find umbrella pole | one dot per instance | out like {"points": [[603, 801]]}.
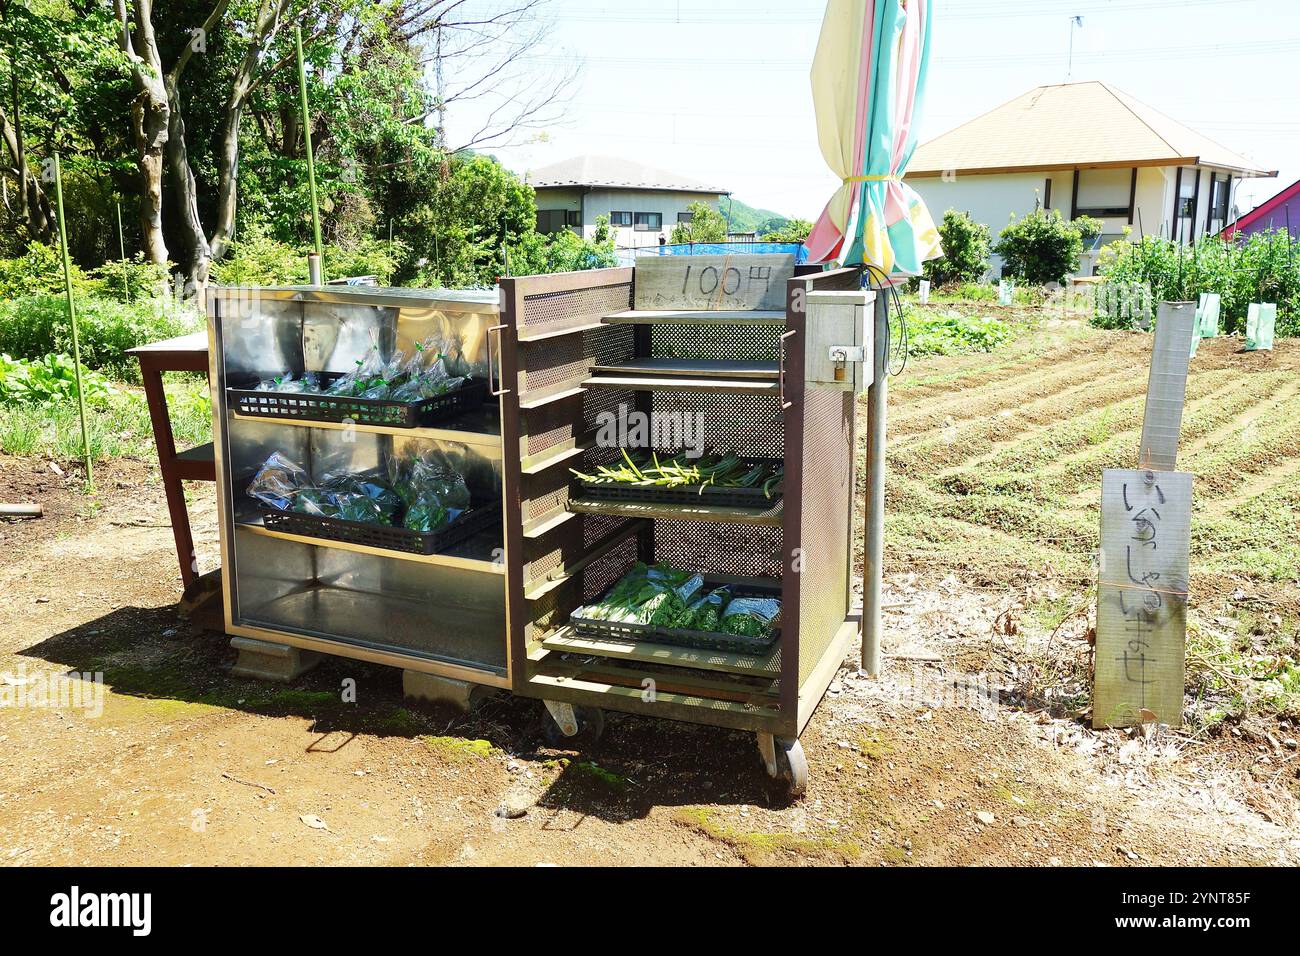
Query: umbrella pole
{"points": [[874, 550]]}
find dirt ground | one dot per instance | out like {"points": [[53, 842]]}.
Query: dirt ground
{"points": [[943, 760]]}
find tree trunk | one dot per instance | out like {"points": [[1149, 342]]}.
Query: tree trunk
{"points": [[150, 120], [264, 30], [36, 212], [198, 261]]}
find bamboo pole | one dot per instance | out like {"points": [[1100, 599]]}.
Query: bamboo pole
{"points": [[306, 128], [121, 248], [72, 318]]}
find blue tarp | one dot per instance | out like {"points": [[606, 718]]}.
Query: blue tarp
{"points": [[628, 257]]}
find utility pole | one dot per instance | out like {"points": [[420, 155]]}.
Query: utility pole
{"points": [[1069, 66]]}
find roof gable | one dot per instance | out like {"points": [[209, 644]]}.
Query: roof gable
{"points": [[614, 173], [1073, 125]]}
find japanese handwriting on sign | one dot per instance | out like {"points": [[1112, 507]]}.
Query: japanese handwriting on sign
{"points": [[1141, 612], [1139, 609]]}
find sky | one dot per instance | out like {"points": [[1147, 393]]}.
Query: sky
{"points": [[718, 90]]}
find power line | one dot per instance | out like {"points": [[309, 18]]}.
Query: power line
{"points": [[976, 61], [780, 17]]}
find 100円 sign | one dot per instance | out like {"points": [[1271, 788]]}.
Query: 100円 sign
{"points": [[1142, 597]]}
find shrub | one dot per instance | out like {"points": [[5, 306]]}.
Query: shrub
{"points": [[39, 271], [50, 380], [965, 250], [259, 260], [706, 225], [1262, 267], [794, 230], [563, 251], [130, 280], [948, 332], [1043, 247], [37, 325]]}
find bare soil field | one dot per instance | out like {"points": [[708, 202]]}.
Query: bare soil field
{"points": [[995, 471]]}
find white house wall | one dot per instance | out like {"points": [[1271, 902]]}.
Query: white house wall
{"points": [[995, 199], [601, 202]]}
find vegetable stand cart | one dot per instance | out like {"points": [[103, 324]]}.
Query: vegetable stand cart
{"points": [[754, 363], [311, 583], [722, 342]]}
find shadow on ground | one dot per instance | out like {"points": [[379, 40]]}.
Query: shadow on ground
{"points": [[639, 763]]}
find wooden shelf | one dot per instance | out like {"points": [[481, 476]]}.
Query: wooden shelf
{"points": [[692, 368], [472, 555], [566, 641], [665, 383], [524, 335], [772, 516], [651, 317], [480, 428]]}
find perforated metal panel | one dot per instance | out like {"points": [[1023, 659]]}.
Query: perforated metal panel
{"points": [[717, 547], [825, 489], [746, 424], [741, 343], [575, 306]]}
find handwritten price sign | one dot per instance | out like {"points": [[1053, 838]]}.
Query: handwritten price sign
{"points": [[713, 283], [1142, 599]]}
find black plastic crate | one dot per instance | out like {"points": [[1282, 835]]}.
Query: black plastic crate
{"points": [[305, 406], [687, 494], [475, 519], [681, 637]]}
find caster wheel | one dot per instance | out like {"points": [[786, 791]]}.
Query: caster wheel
{"points": [[588, 724], [784, 760]]}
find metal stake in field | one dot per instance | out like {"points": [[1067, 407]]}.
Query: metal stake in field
{"points": [[311, 162], [72, 318]]}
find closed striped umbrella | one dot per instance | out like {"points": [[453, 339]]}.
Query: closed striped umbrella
{"points": [[868, 78]]}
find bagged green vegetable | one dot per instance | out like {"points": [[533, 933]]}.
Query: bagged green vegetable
{"points": [[751, 617], [278, 482], [706, 611]]}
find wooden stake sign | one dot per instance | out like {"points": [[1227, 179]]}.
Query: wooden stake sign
{"points": [[1167, 387], [1142, 597]]}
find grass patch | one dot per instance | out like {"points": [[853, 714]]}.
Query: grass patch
{"points": [[461, 748], [758, 846], [118, 426]]}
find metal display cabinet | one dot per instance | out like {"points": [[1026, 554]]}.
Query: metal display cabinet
{"points": [[560, 353], [573, 350], [443, 613]]}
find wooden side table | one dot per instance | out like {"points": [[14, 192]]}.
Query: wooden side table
{"points": [[187, 353]]}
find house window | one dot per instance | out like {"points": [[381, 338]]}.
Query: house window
{"points": [[1104, 193], [620, 219], [573, 218], [685, 217], [1219, 203], [552, 220], [649, 221]]}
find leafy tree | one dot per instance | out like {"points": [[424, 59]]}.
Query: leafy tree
{"points": [[1043, 247], [792, 230], [706, 225], [965, 250]]}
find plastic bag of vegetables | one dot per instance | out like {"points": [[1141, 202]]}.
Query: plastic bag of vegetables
{"points": [[751, 617], [368, 374], [360, 496], [309, 384], [278, 482], [706, 610], [429, 373]]}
